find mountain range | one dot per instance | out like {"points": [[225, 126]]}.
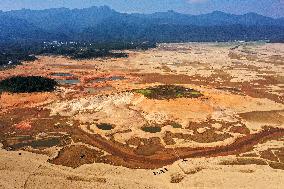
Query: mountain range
{"points": [[106, 24]]}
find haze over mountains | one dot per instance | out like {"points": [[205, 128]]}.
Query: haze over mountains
{"points": [[105, 24]]}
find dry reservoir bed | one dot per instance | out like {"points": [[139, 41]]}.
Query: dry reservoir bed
{"points": [[181, 115]]}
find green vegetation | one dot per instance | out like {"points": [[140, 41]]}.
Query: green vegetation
{"points": [[28, 84], [11, 59], [145, 92], [93, 53], [151, 129], [176, 125], [168, 92], [105, 126], [92, 50], [244, 161], [13, 54]]}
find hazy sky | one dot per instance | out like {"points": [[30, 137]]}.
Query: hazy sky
{"points": [[274, 8]]}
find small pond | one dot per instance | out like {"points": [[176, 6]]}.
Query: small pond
{"points": [[103, 79], [68, 81], [42, 143], [93, 90], [62, 74]]}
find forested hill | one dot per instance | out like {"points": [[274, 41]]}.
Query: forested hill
{"points": [[105, 24]]}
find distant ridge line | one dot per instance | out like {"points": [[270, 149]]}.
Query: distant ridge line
{"points": [[104, 24]]}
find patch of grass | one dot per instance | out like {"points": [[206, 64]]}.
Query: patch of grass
{"points": [[276, 165], [145, 92], [195, 93], [151, 129], [177, 178], [20, 84], [94, 53], [168, 92], [176, 125], [105, 126], [244, 161]]}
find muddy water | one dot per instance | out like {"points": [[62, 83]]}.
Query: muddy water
{"points": [[103, 79], [27, 141], [68, 81], [93, 90], [62, 74]]}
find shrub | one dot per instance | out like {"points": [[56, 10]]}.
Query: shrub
{"points": [[168, 92], [20, 84]]}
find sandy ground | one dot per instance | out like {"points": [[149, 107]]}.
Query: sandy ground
{"points": [[231, 136], [32, 171]]}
